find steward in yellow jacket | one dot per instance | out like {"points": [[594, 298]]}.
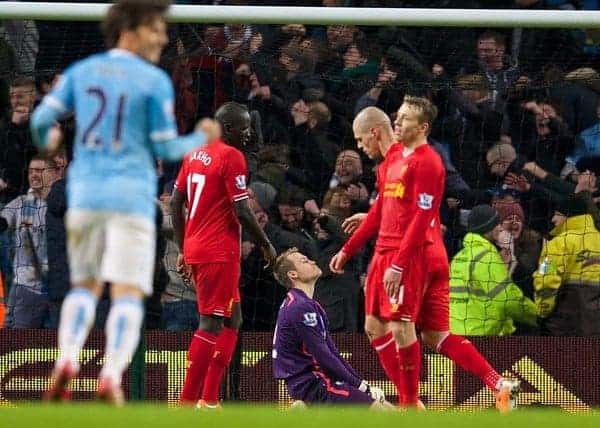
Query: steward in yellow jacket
{"points": [[567, 282], [484, 301]]}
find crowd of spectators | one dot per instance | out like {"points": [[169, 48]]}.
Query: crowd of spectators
{"points": [[518, 130]]}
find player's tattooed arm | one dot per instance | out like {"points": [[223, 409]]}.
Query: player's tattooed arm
{"points": [[249, 222]]}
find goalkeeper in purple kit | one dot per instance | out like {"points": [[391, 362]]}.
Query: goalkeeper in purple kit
{"points": [[304, 355]]}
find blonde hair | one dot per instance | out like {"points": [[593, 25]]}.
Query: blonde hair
{"points": [[426, 109], [283, 265]]}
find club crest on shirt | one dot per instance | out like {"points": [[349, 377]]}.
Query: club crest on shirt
{"points": [[240, 182], [425, 201], [310, 319]]}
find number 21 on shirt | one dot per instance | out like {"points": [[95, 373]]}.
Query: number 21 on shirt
{"points": [[103, 109]]}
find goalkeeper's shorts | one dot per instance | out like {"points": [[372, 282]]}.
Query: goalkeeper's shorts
{"points": [[322, 390]]}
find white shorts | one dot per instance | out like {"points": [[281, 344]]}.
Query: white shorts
{"points": [[111, 247]]}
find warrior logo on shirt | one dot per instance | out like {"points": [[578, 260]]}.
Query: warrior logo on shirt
{"points": [[240, 182], [310, 319]]}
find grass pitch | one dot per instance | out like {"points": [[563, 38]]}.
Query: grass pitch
{"points": [[150, 416]]}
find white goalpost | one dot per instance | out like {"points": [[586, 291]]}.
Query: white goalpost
{"points": [[320, 15]]}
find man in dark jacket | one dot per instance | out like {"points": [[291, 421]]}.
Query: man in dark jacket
{"points": [[58, 266], [15, 140]]}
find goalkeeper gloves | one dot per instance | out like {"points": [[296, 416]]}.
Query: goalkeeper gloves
{"points": [[375, 393]]}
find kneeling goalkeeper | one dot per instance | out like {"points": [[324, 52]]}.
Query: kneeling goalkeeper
{"points": [[303, 353]]}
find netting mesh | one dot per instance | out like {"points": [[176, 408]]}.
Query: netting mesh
{"points": [[514, 104]]}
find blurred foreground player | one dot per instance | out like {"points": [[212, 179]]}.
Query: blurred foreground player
{"points": [[407, 282], [304, 355], [123, 106], [212, 184]]}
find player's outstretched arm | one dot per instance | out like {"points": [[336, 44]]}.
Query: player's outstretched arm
{"points": [[351, 223], [366, 228], [45, 132], [166, 143], [177, 214], [248, 220], [338, 261], [314, 338], [334, 350], [170, 147]]}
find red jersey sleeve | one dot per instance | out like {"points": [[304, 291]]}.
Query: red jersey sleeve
{"points": [[181, 181], [367, 230], [427, 184], [235, 174]]}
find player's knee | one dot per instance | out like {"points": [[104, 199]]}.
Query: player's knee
{"points": [[118, 291], [404, 333], [433, 339], [212, 325], [369, 331], [374, 328], [94, 287], [428, 340]]}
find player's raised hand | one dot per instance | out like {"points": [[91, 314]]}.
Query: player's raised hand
{"points": [[337, 263], [210, 127], [269, 254], [392, 280], [350, 225]]}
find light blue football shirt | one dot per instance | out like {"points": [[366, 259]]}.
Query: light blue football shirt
{"points": [[124, 109]]}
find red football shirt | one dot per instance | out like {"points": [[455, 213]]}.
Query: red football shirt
{"points": [[212, 179], [406, 212]]}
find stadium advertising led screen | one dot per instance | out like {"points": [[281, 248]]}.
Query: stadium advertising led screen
{"points": [[550, 375]]}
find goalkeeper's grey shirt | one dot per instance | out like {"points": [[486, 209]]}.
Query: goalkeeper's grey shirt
{"points": [[26, 218]]}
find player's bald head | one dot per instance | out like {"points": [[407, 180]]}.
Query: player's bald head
{"points": [[370, 117], [231, 113], [235, 122]]}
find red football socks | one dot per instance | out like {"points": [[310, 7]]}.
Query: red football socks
{"points": [[409, 370], [223, 351], [465, 355], [199, 356], [385, 346]]}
